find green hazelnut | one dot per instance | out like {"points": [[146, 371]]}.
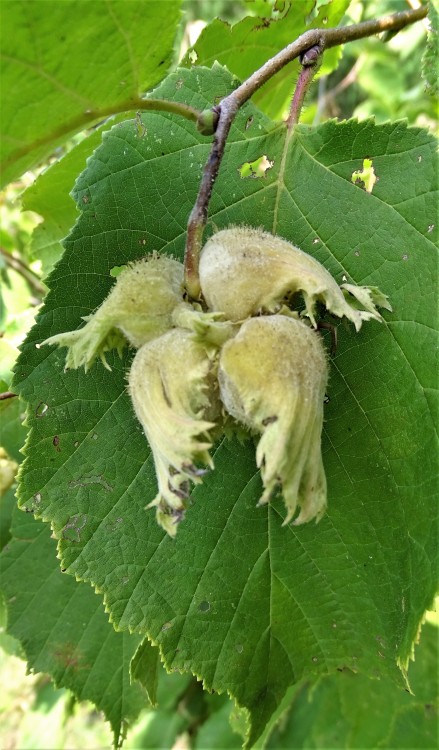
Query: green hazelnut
{"points": [[272, 378], [172, 383], [245, 272], [138, 308]]}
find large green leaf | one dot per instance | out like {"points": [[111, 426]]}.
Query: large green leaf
{"points": [[246, 604], [248, 44], [63, 628], [430, 59], [50, 197], [66, 65], [349, 711]]}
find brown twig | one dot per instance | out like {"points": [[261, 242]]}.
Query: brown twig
{"points": [[229, 106], [7, 394], [198, 215]]}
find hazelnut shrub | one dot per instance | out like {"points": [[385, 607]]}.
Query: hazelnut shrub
{"points": [[245, 359]]}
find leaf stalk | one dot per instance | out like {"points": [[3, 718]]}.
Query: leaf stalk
{"points": [[310, 60]]}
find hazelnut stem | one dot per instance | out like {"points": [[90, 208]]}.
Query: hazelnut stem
{"points": [[229, 106], [310, 61], [198, 215]]}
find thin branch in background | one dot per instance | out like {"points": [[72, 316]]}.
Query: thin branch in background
{"points": [[348, 80], [321, 100], [28, 275], [327, 99], [229, 106]]}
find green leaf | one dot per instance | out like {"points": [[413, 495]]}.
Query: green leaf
{"points": [[7, 505], [50, 197], [216, 732], [145, 667], [8, 644], [430, 59], [348, 710], [158, 731], [160, 728], [246, 604], [248, 44], [68, 65], [13, 432], [63, 628]]}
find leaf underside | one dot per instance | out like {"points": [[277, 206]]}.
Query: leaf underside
{"points": [[48, 51], [245, 604]]}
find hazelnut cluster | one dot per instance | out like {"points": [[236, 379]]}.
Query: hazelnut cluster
{"points": [[246, 358]]}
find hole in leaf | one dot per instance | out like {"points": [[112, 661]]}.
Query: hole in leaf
{"points": [[257, 168], [365, 178], [116, 270], [193, 57], [141, 129]]}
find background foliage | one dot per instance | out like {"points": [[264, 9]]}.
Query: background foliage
{"points": [[316, 612]]}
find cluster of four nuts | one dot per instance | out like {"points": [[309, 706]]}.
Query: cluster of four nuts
{"points": [[246, 359]]}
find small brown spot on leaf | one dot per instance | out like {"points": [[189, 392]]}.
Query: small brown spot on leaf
{"points": [[70, 656]]}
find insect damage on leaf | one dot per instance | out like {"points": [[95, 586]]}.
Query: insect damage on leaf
{"points": [[246, 358], [366, 177]]}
